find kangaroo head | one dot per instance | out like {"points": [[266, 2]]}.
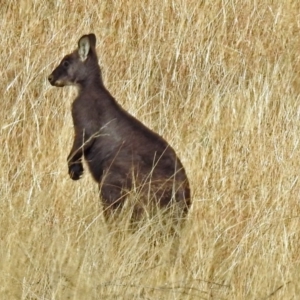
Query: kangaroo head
{"points": [[76, 68]]}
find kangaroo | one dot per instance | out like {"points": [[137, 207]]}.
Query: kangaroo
{"points": [[122, 153]]}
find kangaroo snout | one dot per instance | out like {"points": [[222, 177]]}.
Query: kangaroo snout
{"points": [[55, 81], [51, 79]]}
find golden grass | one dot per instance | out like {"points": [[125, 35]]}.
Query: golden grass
{"points": [[220, 81]]}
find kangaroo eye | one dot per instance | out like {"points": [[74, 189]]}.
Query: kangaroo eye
{"points": [[66, 64]]}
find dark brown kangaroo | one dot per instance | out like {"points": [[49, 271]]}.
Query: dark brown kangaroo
{"points": [[121, 152]]}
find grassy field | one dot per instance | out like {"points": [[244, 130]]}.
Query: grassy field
{"points": [[220, 81]]}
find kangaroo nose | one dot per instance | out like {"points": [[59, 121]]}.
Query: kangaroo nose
{"points": [[50, 78]]}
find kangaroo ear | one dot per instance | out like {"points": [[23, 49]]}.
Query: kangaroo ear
{"points": [[85, 43], [84, 47], [92, 39]]}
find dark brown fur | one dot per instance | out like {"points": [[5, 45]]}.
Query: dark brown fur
{"points": [[120, 151]]}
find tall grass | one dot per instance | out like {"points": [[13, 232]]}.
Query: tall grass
{"points": [[220, 81]]}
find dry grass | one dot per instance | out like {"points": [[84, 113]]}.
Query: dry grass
{"points": [[220, 81]]}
